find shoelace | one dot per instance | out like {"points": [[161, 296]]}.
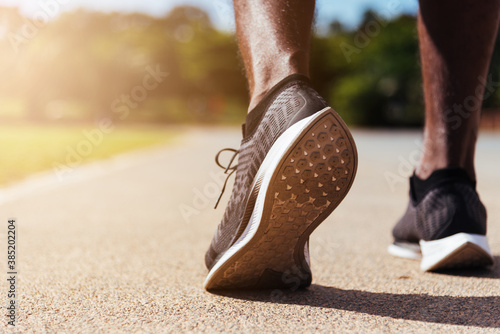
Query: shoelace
{"points": [[229, 167]]}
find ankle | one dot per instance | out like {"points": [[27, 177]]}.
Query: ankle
{"points": [[256, 97], [440, 153], [424, 170], [265, 79], [264, 87]]}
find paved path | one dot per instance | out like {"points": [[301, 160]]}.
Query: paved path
{"points": [[119, 248]]}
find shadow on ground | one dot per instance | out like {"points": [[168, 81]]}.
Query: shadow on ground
{"points": [[465, 311]]}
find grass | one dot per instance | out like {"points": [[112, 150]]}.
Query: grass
{"points": [[25, 150]]}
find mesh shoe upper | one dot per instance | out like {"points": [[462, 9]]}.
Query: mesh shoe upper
{"points": [[449, 205], [288, 102]]}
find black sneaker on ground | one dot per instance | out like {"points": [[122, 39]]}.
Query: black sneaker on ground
{"points": [[445, 223], [296, 163]]}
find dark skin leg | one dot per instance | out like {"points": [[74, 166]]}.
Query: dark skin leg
{"points": [[456, 43], [274, 40]]}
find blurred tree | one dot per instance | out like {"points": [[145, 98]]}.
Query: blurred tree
{"points": [[78, 65], [375, 71]]}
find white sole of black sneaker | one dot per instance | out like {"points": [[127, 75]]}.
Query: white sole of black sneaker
{"points": [[304, 176], [461, 250], [404, 252]]}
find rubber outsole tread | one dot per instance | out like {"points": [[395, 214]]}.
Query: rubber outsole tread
{"points": [[312, 178]]}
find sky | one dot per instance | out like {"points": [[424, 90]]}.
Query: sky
{"points": [[348, 12]]}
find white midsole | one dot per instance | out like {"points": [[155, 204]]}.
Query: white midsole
{"points": [[264, 174], [436, 250], [404, 252]]}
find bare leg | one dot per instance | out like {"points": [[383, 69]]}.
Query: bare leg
{"points": [[456, 43], [274, 40], [292, 129]]}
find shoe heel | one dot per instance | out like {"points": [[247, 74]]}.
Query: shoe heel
{"points": [[304, 177], [461, 250]]}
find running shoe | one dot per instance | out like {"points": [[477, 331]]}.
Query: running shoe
{"points": [[444, 224], [296, 163]]}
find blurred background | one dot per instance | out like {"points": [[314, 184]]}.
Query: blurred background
{"points": [[145, 65]]}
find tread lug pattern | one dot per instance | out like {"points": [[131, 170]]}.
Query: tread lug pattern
{"points": [[311, 181]]}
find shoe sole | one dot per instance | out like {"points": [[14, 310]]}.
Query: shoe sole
{"points": [[461, 250], [412, 251], [305, 175]]}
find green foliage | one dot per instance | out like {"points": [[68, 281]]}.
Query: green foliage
{"points": [[76, 67], [376, 77]]}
